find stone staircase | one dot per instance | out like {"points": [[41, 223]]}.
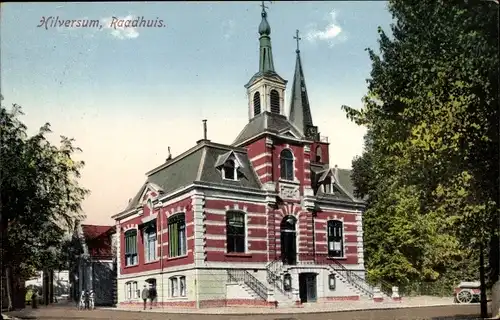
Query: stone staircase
{"points": [[273, 290]]}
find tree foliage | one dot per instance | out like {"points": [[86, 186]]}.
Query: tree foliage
{"points": [[40, 196], [430, 164]]}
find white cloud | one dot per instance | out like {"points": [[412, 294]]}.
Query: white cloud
{"points": [[333, 31], [121, 27], [228, 29]]}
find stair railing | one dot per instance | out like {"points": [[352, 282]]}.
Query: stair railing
{"points": [[241, 275]]}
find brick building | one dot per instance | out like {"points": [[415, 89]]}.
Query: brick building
{"points": [[263, 221]]}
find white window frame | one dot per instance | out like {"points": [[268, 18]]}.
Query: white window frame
{"points": [[177, 287], [128, 290], [146, 236], [342, 244], [181, 240], [330, 185], [135, 290], [235, 173], [293, 165], [245, 231], [131, 259]]}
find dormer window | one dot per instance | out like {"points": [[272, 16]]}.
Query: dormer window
{"points": [[229, 170], [256, 103], [328, 186], [275, 102]]}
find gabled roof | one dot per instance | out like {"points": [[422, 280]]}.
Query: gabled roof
{"points": [[341, 180], [267, 122], [199, 164]]}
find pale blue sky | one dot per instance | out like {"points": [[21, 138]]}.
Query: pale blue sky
{"points": [[125, 95]]}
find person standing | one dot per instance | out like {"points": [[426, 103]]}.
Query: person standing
{"points": [[145, 296], [152, 295]]}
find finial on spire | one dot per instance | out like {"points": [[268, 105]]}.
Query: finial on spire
{"points": [[263, 7], [296, 37], [264, 28]]}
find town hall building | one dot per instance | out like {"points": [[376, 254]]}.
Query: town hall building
{"points": [[264, 221]]}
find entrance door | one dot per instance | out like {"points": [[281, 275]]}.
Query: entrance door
{"points": [[307, 287], [288, 240]]}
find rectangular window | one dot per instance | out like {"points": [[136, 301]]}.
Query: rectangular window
{"points": [[150, 243], [128, 290], [177, 235], [131, 248], [173, 287], [182, 285], [135, 291], [335, 239], [235, 232]]}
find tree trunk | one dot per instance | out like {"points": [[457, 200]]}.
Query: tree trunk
{"points": [[482, 279], [51, 286], [8, 280]]}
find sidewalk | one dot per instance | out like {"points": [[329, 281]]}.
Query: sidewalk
{"points": [[362, 305]]}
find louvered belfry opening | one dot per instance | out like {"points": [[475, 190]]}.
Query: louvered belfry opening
{"points": [[256, 103], [275, 101]]}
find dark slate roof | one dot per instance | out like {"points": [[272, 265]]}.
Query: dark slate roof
{"points": [[198, 165], [267, 122], [300, 112]]}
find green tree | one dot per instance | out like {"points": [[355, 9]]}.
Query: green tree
{"points": [[430, 165], [39, 197]]}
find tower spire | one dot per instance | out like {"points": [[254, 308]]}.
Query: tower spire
{"points": [[266, 63], [300, 112], [296, 37]]}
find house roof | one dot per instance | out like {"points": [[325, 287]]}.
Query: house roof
{"points": [[98, 240], [199, 164], [267, 122]]}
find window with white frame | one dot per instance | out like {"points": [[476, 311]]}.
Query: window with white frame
{"points": [[135, 290], [235, 232], [177, 242], [335, 238], [174, 287], [275, 101], [286, 165], [131, 290], [177, 286], [328, 186], [131, 248], [230, 170], [150, 243]]}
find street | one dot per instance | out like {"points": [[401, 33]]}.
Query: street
{"points": [[441, 312]]}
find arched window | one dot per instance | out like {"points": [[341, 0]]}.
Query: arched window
{"points": [[256, 103], [319, 154], [286, 161], [131, 248], [335, 234], [177, 235], [275, 101], [235, 232], [229, 170]]}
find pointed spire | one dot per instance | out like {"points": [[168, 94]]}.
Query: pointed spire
{"points": [[300, 112], [266, 63]]}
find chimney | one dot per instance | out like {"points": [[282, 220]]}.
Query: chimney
{"points": [[169, 156], [204, 132], [336, 173]]}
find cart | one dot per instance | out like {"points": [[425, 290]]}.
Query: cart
{"points": [[467, 292]]}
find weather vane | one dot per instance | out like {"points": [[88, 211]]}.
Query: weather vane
{"points": [[296, 37], [264, 6]]}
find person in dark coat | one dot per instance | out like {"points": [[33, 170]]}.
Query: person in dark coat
{"points": [[152, 295], [145, 296]]}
